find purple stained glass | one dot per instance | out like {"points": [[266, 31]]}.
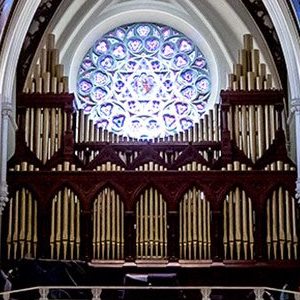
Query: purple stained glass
{"points": [[144, 81]]}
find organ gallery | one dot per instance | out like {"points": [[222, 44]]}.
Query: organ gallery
{"points": [[139, 169]]}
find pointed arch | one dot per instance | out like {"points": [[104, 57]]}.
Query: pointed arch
{"points": [[22, 225], [238, 225], [151, 225], [281, 228], [65, 225], [194, 225], [108, 225]]}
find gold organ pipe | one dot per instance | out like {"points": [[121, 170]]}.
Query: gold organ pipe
{"points": [[52, 131], [260, 130], [237, 124], [43, 61], [272, 121], [142, 224], [103, 213], [225, 235], [295, 237], [58, 225], [60, 127], [27, 126], [108, 223], [72, 225], [161, 224], [281, 222], [35, 237], [31, 129], [245, 224], [200, 222], [252, 132], [94, 227], [99, 224], [122, 228], [65, 221], [52, 235], [267, 126], [251, 237], [165, 227], [288, 224], [244, 129], [16, 225], [23, 222], [180, 230], [268, 229], [230, 115], [190, 195], [238, 222], [37, 142], [113, 227], [45, 140], [231, 224], [146, 218], [138, 225], [205, 233], [208, 228], [118, 238], [194, 211], [77, 202], [151, 221], [9, 235]]}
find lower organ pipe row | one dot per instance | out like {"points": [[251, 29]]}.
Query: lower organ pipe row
{"points": [[194, 226]]}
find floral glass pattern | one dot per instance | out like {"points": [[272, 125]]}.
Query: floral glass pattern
{"points": [[143, 81]]}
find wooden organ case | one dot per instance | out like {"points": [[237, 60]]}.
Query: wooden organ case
{"points": [[215, 200]]}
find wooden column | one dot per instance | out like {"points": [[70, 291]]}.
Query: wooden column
{"points": [[216, 235], [173, 235], [86, 234], [130, 235]]}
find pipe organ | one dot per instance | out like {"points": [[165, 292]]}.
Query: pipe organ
{"points": [[221, 190]]}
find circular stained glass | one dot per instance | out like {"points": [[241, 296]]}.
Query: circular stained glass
{"points": [[144, 81]]}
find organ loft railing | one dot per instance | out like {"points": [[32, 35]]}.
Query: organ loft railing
{"points": [[221, 190]]}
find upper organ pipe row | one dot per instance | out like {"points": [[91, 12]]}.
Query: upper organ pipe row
{"points": [[151, 226]]}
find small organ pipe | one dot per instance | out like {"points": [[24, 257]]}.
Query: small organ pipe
{"points": [[52, 236], [281, 222], [288, 224], [9, 235], [16, 225], [268, 229]]}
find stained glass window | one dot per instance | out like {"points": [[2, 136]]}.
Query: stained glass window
{"points": [[144, 81]]}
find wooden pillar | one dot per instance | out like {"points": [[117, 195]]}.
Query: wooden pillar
{"points": [[259, 234], [130, 235], [86, 234], [173, 235], [216, 235]]}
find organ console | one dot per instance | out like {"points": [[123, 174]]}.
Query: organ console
{"points": [[222, 190]]}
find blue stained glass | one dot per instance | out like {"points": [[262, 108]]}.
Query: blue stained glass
{"points": [[144, 81]]}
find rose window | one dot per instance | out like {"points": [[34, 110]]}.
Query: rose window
{"points": [[143, 81]]}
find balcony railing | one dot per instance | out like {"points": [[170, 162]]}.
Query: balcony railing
{"points": [[151, 292]]}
